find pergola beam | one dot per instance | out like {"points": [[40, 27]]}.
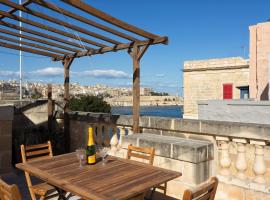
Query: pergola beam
{"points": [[12, 10], [29, 50], [83, 19], [108, 18], [44, 35], [46, 27], [136, 47], [59, 22], [34, 39], [32, 45], [159, 40]]}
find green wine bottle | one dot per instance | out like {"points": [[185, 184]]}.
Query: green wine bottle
{"points": [[91, 149]]}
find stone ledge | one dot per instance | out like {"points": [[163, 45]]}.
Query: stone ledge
{"points": [[188, 150], [247, 184]]}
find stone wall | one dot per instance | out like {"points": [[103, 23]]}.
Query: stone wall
{"points": [[259, 60], [6, 118], [204, 79]]}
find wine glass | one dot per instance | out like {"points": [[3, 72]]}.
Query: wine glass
{"points": [[103, 151], [80, 152]]}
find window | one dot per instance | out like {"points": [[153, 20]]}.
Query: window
{"points": [[244, 92], [227, 91]]}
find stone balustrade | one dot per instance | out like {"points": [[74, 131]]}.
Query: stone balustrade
{"points": [[240, 151]]}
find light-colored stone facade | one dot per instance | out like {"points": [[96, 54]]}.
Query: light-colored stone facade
{"points": [[204, 79], [259, 60]]}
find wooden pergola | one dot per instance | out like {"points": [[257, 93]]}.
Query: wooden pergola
{"points": [[59, 48]]}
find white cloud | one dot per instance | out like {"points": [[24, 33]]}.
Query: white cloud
{"points": [[59, 72], [10, 74], [103, 74], [49, 71]]}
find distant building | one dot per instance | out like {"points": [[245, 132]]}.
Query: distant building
{"points": [[147, 91], [213, 79], [259, 61], [230, 78]]}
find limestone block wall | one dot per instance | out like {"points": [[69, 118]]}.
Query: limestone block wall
{"points": [[259, 60], [6, 117], [204, 79]]}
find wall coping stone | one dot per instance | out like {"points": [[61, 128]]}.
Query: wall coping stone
{"points": [[188, 150], [252, 131]]}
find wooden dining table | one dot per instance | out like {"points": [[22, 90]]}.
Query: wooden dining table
{"points": [[116, 179]]}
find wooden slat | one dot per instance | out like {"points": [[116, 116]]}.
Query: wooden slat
{"points": [[205, 191], [36, 146], [83, 19], [161, 40], [32, 38], [12, 10], [32, 45], [37, 152], [44, 35], [62, 23], [46, 27], [112, 20], [119, 179], [145, 157], [29, 50]]}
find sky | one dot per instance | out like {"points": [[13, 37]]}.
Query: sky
{"points": [[197, 29]]}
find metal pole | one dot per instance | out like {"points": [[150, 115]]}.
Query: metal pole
{"points": [[20, 14]]}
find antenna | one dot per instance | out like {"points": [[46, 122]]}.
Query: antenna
{"points": [[20, 14]]}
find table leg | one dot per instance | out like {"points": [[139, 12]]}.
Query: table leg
{"points": [[62, 194]]}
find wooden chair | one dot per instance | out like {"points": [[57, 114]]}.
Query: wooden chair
{"points": [[205, 191], [9, 192], [34, 152], [148, 154]]}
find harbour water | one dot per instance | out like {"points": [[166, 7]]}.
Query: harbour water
{"points": [[161, 111]]}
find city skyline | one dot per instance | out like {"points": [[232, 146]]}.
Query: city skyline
{"points": [[189, 39]]}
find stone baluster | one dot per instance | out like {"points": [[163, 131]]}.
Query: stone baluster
{"points": [[259, 166], [122, 130], [106, 135], [130, 131], [114, 139], [99, 134], [224, 157], [241, 161]]}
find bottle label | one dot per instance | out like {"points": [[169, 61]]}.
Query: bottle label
{"points": [[91, 159]]}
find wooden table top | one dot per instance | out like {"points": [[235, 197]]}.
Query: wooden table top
{"points": [[116, 180]]}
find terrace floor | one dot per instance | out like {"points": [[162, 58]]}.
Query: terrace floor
{"points": [[17, 177]]}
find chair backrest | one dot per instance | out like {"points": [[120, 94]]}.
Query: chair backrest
{"points": [[205, 191], [36, 151], [146, 153], [9, 192]]}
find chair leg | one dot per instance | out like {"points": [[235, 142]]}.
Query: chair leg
{"points": [[32, 194]]}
